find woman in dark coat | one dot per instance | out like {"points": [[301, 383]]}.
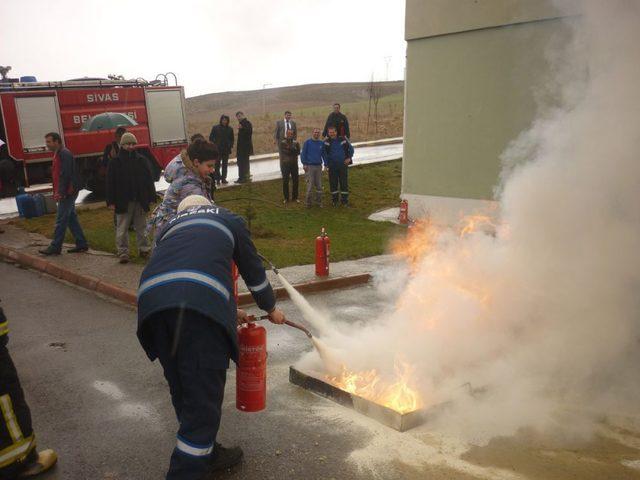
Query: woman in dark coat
{"points": [[222, 136]]}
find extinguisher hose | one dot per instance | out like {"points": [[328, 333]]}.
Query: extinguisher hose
{"points": [[266, 260], [253, 318]]}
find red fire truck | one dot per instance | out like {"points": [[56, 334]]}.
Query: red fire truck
{"points": [[32, 109]]}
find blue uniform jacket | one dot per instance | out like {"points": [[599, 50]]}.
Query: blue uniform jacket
{"points": [[312, 152], [336, 151], [191, 268]]}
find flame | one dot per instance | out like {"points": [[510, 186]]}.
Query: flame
{"points": [[398, 396], [472, 223], [420, 240]]}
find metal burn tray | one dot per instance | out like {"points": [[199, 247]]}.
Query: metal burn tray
{"points": [[386, 416]]}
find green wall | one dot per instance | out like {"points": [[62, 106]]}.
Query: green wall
{"points": [[467, 95]]}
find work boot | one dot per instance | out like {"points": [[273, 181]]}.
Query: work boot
{"points": [[39, 463], [49, 251], [223, 458], [78, 249], [124, 258]]}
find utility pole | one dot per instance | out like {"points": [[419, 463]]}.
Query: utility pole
{"points": [[264, 98], [387, 61]]}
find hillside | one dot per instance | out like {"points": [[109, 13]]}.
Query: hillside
{"points": [[310, 105]]}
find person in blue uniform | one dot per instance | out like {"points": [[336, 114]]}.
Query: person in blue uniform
{"points": [[187, 318]]}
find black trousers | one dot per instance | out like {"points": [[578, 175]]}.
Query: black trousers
{"points": [[194, 352], [289, 170], [244, 172], [339, 184], [17, 441], [223, 162]]}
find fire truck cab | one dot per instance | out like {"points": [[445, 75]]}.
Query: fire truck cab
{"points": [[29, 110]]}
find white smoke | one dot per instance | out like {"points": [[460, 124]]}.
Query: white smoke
{"points": [[544, 317]]}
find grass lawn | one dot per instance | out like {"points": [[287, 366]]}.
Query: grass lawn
{"points": [[285, 235]]}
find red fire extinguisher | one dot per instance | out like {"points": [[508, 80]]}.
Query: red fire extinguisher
{"points": [[234, 277], [403, 217], [322, 254], [251, 371]]}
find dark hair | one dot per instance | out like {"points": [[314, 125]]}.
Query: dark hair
{"points": [[195, 137], [239, 112], [332, 128], [202, 151], [54, 136], [121, 130], [288, 112], [337, 104]]}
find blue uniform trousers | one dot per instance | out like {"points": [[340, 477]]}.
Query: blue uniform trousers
{"points": [[194, 352], [339, 183]]}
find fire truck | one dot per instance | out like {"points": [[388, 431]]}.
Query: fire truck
{"points": [[30, 110]]}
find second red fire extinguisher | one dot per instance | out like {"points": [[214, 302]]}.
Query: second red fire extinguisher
{"points": [[322, 254], [403, 216], [251, 372]]}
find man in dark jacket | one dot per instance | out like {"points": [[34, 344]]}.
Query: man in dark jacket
{"points": [[244, 148], [18, 455], [187, 318], [338, 157], [130, 191], [339, 121], [222, 136], [289, 151], [113, 148], [66, 185]]}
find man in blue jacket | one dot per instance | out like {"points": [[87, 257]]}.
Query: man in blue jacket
{"points": [[338, 156], [312, 158], [187, 318]]}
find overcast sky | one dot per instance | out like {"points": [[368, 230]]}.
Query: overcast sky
{"points": [[212, 45]]}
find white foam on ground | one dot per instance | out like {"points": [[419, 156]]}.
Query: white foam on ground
{"points": [[109, 389]]}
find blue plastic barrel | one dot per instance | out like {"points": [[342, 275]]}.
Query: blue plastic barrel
{"points": [[41, 208], [26, 204], [28, 79], [20, 200]]}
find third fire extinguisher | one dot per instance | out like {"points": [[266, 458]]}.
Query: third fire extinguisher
{"points": [[403, 217], [322, 254]]}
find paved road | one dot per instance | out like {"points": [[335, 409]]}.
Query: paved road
{"points": [[105, 408], [261, 170]]}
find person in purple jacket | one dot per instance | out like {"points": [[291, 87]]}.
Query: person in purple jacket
{"points": [[199, 162]]}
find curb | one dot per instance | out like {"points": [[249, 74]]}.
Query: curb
{"points": [[85, 281], [130, 297]]}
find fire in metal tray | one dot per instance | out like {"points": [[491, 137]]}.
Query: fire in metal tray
{"points": [[386, 415]]}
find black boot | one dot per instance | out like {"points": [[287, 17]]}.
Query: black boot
{"points": [[223, 458], [49, 251]]}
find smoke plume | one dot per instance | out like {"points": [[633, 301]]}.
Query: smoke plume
{"points": [[538, 323]]}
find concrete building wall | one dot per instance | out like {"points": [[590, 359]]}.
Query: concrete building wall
{"points": [[473, 70]]}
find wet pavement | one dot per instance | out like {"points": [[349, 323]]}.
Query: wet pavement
{"points": [[261, 170], [99, 402]]}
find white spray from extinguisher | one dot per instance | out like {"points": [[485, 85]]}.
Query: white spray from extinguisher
{"points": [[320, 323]]}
